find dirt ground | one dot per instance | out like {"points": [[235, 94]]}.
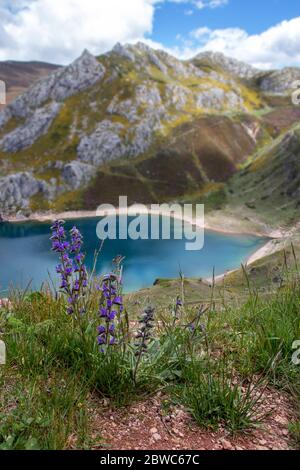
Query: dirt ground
{"points": [[149, 426]]}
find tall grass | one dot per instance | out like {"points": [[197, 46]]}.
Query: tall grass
{"points": [[214, 398], [215, 360]]}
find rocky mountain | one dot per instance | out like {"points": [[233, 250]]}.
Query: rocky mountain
{"points": [[19, 76], [227, 64], [136, 121]]}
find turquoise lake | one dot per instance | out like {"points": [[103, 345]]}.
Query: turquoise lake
{"points": [[25, 255]]}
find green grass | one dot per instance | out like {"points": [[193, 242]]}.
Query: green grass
{"points": [[218, 370], [213, 398]]}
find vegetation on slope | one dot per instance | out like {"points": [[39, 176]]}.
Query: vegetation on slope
{"points": [[270, 183]]}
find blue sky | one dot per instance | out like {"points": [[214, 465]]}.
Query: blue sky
{"points": [[254, 16], [264, 33]]}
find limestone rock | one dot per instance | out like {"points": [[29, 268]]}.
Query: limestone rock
{"points": [[34, 127], [5, 116], [217, 99], [280, 81], [77, 174], [177, 96], [124, 108], [148, 94], [59, 85], [123, 51], [17, 189], [104, 144], [233, 66]]}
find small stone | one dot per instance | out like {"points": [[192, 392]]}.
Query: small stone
{"points": [[281, 420], [156, 437], [178, 433], [227, 445], [153, 431], [262, 442]]}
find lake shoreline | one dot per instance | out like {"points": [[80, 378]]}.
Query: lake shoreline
{"points": [[231, 225], [219, 223]]}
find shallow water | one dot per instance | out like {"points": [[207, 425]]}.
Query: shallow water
{"points": [[25, 255]]}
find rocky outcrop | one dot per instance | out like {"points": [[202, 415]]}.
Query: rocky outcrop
{"points": [[112, 140], [34, 127], [77, 174], [141, 135], [105, 143], [148, 95], [124, 52], [280, 81], [144, 57], [16, 191], [124, 108], [59, 85], [5, 116], [177, 96], [232, 66], [219, 99], [32, 105]]}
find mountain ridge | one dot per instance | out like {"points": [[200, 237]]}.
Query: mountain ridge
{"points": [[125, 106]]}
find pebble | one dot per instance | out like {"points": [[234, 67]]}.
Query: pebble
{"points": [[178, 433], [153, 431], [227, 445], [281, 420], [262, 442]]}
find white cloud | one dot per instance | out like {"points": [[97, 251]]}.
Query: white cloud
{"points": [[276, 47], [58, 30], [200, 4]]}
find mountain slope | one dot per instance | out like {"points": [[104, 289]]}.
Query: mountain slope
{"points": [[135, 120], [19, 76], [270, 184]]}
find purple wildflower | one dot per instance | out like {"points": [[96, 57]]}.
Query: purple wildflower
{"points": [[111, 306], [144, 333], [143, 337], [73, 273], [118, 299]]}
